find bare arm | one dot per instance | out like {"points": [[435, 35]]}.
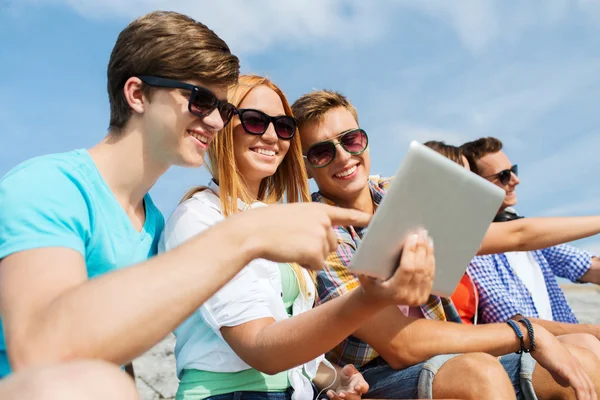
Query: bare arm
{"points": [[63, 315], [404, 341], [561, 328], [593, 274], [260, 343], [528, 234], [52, 313]]}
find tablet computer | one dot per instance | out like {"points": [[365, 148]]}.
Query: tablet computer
{"points": [[430, 191]]}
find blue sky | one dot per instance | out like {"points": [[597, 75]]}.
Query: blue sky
{"points": [[525, 72]]}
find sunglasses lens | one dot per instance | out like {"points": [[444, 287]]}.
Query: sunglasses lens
{"points": [[354, 141], [515, 170], [202, 103], [254, 122], [504, 177], [285, 127], [321, 154]]}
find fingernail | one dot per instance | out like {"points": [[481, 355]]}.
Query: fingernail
{"points": [[430, 242], [413, 239]]}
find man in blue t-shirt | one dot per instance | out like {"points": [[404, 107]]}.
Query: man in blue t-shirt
{"points": [[71, 222]]}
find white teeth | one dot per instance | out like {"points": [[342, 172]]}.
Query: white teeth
{"points": [[201, 138], [264, 151], [346, 172]]}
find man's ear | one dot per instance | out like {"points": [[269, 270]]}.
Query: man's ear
{"points": [[134, 96], [308, 169]]}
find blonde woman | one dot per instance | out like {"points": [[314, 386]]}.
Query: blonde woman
{"points": [[259, 337]]}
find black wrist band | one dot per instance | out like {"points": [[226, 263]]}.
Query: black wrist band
{"points": [[517, 330], [529, 327]]}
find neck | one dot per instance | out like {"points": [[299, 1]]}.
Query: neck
{"points": [[363, 201], [253, 188], [127, 166]]}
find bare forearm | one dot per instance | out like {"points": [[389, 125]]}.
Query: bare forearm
{"points": [[423, 339], [537, 233], [593, 274], [561, 328], [310, 334], [118, 316]]}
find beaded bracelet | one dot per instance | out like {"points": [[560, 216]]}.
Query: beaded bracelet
{"points": [[529, 327], [517, 330]]}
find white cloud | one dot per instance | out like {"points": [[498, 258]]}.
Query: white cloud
{"points": [[406, 132], [585, 207], [515, 95], [254, 26]]}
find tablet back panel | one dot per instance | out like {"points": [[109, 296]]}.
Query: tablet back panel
{"points": [[429, 190]]}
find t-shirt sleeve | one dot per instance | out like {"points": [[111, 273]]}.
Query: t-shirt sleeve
{"points": [[42, 205], [242, 299]]}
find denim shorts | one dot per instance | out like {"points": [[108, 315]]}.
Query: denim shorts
{"points": [[417, 381], [287, 395]]}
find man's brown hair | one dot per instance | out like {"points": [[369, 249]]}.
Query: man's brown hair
{"points": [[447, 150], [168, 45], [477, 149], [313, 106]]}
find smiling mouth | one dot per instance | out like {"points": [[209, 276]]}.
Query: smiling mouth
{"points": [[346, 172], [201, 138], [265, 152]]}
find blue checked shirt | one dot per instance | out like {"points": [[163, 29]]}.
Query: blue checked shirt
{"points": [[502, 294]]}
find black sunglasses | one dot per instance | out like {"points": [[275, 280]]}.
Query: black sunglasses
{"points": [[256, 122], [202, 101], [505, 175], [354, 141]]}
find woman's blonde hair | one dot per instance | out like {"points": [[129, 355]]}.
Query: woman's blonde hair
{"points": [[288, 184]]}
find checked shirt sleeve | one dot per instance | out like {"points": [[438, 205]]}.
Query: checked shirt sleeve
{"points": [[567, 261], [335, 279], [496, 304]]}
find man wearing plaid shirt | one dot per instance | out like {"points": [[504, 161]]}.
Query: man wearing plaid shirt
{"points": [[524, 283], [416, 352]]}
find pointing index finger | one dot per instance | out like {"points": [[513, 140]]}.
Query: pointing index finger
{"points": [[347, 217]]}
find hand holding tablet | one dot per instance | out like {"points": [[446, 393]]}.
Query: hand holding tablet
{"points": [[412, 281]]}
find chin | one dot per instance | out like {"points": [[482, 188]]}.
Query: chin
{"points": [[192, 161]]}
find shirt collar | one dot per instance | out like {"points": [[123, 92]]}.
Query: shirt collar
{"points": [[375, 186], [242, 206]]}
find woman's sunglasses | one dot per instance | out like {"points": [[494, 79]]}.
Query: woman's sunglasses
{"points": [[321, 154], [505, 175], [256, 122], [202, 101]]}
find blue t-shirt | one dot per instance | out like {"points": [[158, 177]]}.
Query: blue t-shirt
{"points": [[61, 200]]}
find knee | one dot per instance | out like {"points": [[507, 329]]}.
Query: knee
{"points": [[583, 340], [482, 369], [474, 376], [90, 379], [588, 359]]}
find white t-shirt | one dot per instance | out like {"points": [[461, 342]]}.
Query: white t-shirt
{"points": [[255, 292], [529, 271]]}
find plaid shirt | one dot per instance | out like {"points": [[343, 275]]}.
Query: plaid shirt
{"points": [[502, 294], [336, 280]]}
